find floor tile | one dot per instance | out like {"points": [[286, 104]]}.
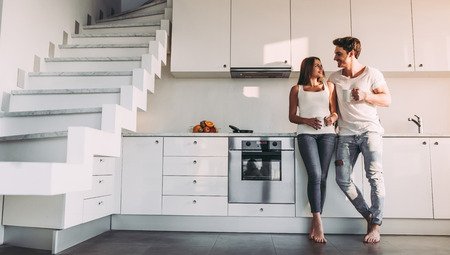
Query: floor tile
{"points": [[198, 243]]}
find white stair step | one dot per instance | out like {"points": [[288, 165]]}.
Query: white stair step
{"points": [[148, 8], [39, 100], [40, 147], [117, 38], [103, 50], [149, 27], [151, 16], [18, 123], [90, 64], [43, 178], [78, 80]]}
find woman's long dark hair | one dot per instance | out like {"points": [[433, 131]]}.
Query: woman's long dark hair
{"points": [[306, 70]]}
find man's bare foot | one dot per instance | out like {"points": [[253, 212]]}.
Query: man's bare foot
{"points": [[317, 230], [373, 234]]}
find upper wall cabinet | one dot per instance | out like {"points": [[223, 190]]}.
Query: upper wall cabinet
{"points": [[403, 35], [431, 19], [315, 24], [201, 38], [385, 30], [260, 33]]}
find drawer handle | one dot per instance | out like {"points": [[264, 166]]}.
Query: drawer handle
{"points": [[195, 161], [194, 201], [261, 209], [101, 160], [424, 143], [436, 143], [409, 65], [195, 181], [195, 142], [101, 181], [156, 141], [100, 203]]}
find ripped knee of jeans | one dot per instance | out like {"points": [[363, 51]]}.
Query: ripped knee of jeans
{"points": [[339, 162]]}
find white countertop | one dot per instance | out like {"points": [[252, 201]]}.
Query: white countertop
{"points": [[223, 134]]}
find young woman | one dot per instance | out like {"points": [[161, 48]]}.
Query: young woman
{"points": [[315, 101]]}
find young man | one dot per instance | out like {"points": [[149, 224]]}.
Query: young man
{"points": [[360, 130]]}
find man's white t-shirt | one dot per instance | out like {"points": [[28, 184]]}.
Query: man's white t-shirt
{"points": [[356, 118]]}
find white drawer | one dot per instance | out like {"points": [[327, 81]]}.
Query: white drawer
{"points": [[195, 185], [196, 146], [195, 205], [104, 165], [217, 166], [264, 210], [102, 185], [96, 208]]}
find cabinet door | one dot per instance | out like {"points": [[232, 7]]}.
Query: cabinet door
{"points": [[142, 175], [431, 21], [385, 30], [407, 177], [195, 146], [213, 166], [315, 24], [195, 185], [440, 169], [260, 33], [201, 37]]}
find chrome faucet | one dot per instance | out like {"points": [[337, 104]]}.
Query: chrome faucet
{"points": [[418, 122]]}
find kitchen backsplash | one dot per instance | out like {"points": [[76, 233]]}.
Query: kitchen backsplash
{"points": [[262, 105]]}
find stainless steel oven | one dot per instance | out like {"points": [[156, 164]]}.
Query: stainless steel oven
{"points": [[261, 170]]}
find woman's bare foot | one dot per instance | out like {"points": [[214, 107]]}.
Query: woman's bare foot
{"points": [[311, 231], [317, 230]]}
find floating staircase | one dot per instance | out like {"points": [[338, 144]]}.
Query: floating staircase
{"points": [[77, 107]]}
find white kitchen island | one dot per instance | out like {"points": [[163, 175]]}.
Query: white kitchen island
{"points": [[414, 201]]}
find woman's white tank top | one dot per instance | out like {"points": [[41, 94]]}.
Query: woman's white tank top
{"points": [[311, 105]]}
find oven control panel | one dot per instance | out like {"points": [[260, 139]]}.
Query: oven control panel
{"points": [[261, 145]]}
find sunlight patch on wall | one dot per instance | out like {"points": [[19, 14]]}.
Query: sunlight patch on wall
{"points": [[272, 52], [251, 92]]}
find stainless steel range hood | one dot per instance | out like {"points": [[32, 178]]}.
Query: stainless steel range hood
{"points": [[260, 72]]}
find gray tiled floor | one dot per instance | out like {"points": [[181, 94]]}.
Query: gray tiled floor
{"points": [[186, 243]]}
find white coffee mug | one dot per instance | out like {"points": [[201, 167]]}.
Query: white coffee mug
{"points": [[346, 95]]}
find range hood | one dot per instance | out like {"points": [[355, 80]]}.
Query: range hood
{"points": [[260, 72]]}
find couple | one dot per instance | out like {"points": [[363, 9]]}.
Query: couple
{"points": [[320, 104]]}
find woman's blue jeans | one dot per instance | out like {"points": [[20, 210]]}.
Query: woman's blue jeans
{"points": [[316, 151], [370, 144]]}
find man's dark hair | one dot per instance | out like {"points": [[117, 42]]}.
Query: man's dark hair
{"points": [[348, 44]]}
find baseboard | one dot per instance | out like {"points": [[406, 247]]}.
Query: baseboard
{"points": [[298, 225]]}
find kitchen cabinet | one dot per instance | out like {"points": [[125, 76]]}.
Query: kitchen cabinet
{"points": [[385, 30], [64, 211], [262, 210], [201, 38], [403, 35], [142, 163], [440, 171], [407, 177], [260, 33], [314, 26], [431, 21], [195, 176], [336, 203]]}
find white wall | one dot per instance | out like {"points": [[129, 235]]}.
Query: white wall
{"points": [[28, 26], [179, 104]]}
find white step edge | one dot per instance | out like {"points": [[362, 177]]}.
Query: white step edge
{"points": [[41, 178]]}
